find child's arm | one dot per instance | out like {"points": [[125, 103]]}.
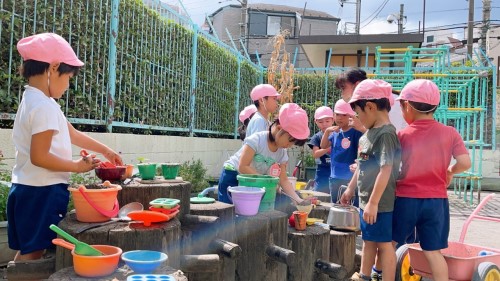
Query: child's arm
{"points": [[318, 152], [462, 164], [287, 185], [345, 199], [41, 156], [371, 208], [246, 160], [325, 143], [83, 140]]}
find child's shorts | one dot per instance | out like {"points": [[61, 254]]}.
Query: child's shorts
{"points": [[30, 212], [227, 178], [430, 216], [381, 231]]}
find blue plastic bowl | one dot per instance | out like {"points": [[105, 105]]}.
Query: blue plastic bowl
{"points": [[143, 261]]}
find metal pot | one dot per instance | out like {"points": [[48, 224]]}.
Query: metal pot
{"points": [[343, 218]]}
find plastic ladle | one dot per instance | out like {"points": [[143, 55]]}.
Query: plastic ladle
{"points": [[122, 216], [63, 243], [81, 248]]}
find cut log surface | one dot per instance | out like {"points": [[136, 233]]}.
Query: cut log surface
{"points": [[309, 245], [224, 211], [145, 193], [343, 248], [164, 237], [254, 234], [68, 274]]}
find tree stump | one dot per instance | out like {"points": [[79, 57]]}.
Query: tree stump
{"points": [[164, 237], [343, 248], [255, 235], [309, 245], [224, 211], [146, 192], [320, 211], [68, 274]]}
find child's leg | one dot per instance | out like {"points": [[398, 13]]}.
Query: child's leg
{"points": [[30, 256], [438, 265], [387, 259], [368, 257]]}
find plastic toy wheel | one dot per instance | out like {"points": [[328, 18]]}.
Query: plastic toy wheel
{"points": [[404, 272], [486, 271]]}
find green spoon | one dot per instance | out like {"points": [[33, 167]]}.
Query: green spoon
{"points": [[81, 248]]}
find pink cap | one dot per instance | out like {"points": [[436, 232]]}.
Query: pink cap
{"points": [[49, 48], [263, 90], [369, 89], [421, 90], [342, 107], [247, 111], [323, 112], [293, 119]]}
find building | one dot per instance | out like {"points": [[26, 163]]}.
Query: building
{"points": [[263, 21]]}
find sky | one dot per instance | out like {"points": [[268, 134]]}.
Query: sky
{"points": [[373, 12]]}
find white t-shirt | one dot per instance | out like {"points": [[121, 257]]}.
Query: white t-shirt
{"points": [[396, 116], [38, 113], [263, 158], [258, 123]]}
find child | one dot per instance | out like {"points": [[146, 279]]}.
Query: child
{"points": [[265, 98], [245, 116], [421, 196], [375, 177], [343, 141], [263, 149], [323, 117], [43, 138]]}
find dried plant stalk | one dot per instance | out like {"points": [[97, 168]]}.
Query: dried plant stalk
{"points": [[280, 71]]}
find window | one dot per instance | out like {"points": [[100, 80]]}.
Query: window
{"points": [[430, 38], [267, 25], [257, 24], [273, 25]]}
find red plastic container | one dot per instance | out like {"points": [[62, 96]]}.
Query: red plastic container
{"points": [[110, 174]]}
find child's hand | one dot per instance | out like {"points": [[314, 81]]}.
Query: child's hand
{"points": [[370, 213], [449, 177], [345, 199], [354, 166], [87, 163], [113, 157], [333, 129]]}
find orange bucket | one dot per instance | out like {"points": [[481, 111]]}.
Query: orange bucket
{"points": [[95, 205], [97, 266]]}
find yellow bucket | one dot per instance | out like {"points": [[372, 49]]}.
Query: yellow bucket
{"points": [[300, 185]]}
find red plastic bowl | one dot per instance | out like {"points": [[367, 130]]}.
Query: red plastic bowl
{"points": [[110, 174]]}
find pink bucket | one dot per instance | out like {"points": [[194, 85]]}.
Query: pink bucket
{"points": [[246, 200]]}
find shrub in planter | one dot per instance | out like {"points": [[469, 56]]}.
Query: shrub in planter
{"points": [[194, 172], [4, 194]]}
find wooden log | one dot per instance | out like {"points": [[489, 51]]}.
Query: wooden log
{"points": [[333, 270], [199, 232], [254, 234], [281, 255], [196, 220], [201, 267], [320, 212], [164, 237], [343, 248], [68, 274], [227, 248], [145, 193], [309, 245], [224, 211]]}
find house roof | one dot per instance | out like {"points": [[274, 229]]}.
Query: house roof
{"points": [[261, 7], [362, 38]]}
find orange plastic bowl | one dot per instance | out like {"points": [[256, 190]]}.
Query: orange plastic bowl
{"points": [[97, 266], [110, 174]]}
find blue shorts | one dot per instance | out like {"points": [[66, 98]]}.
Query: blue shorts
{"points": [[30, 212], [227, 178], [430, 217], [381, 231], [321, 179]]}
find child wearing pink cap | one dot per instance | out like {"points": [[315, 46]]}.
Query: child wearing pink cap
{"points": [[323, 117], [43, 137], [245, 116], [342, 141], [375, 177], [265, 98], [262, 150], [421, 196]]}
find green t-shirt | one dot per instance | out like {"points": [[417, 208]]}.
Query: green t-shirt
{"points": [[378, 147]]}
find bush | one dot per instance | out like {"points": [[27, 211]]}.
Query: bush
{"points": [[5, 176], [194, 172]]}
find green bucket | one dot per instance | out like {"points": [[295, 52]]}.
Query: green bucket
{"points": [[170, 170], [269, 183], [147, 170]]}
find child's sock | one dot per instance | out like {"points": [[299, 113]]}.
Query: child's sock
{"points": [[375, 270], [376, 274]]}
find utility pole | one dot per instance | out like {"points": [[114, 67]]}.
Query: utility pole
{"points": [[358, 15], [470, 28], [243, 24], [401, 18], [486, 23]]}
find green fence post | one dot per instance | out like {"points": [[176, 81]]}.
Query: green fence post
{"points": [[237, 100], [327, 72], [193, 79], [113, 34]]}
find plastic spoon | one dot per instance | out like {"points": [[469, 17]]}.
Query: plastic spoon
{"points": [[122, 216], [63, 243], [81, 248]]}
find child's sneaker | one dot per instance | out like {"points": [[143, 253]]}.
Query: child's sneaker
{"points": [[359, 277], [376, 276]]}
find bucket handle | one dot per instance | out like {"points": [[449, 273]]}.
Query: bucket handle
{"points": [[110, 214]]}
